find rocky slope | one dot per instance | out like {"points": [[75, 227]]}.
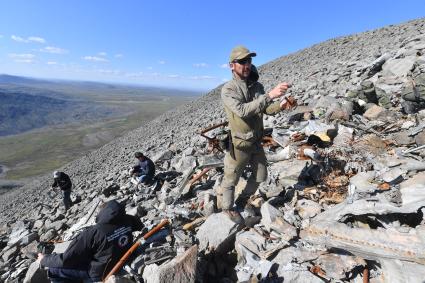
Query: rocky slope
{"points": [[352, 84]]}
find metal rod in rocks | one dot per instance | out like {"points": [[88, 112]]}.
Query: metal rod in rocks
{"points": [[414, 149]]}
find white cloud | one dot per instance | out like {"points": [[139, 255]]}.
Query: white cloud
{"points": [[224, 80], [102, 54], [18, 38], [51, 63], [174, 76], [28, 39], [54, 50], [161, 62], [200, 65], [119, 55], [202, 78], [149, 68], [26, 61], [27, 58], [134, 75], [36, 39], [224, 66], [110, 72], [22, 56], [95, 59]]}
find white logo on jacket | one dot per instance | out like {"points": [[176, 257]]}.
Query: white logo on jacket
{"points": [[121, 234]]}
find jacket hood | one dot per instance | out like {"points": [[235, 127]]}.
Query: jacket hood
{"points": [[111, 212], [253, 75]]}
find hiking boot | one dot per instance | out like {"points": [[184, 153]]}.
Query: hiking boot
{"points": [[234, 215]]}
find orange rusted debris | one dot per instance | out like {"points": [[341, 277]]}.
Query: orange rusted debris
{"points": [[365, 275], [199, 175], [336, 180], [384, 186], [301, 155], [334, 187], [297, 137], [268, 141], [317, 270], [213, 142]]}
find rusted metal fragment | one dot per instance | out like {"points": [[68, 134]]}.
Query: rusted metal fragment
{"points": [[368, 243], [412, 199], [373, 244]]}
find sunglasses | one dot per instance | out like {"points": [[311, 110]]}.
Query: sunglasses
{"points": [[243, 61]]}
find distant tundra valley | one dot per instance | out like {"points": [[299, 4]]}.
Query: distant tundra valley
{"points": [[45, 124]]}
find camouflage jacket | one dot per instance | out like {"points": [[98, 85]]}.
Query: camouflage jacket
{"points": [[245, 104]]}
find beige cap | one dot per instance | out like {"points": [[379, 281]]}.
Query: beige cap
{"points": [[240, 52]]}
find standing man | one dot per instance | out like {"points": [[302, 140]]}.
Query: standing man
{"points": [[95, 251], [144, 170], [63, 181], [245, 103]]}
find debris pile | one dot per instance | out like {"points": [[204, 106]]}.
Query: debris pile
{"points": [[344, 200]]}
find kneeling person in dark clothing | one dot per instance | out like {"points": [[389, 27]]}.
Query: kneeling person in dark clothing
{"points": [[95, 251], [144, 170], [63, 182]]}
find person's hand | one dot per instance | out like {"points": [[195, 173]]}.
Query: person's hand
{"points": [[288, 103], [40, 257], [279, 90]]}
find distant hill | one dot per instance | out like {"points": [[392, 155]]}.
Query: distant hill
{"points": [[28, 103], [9, 79], [20, 112]]}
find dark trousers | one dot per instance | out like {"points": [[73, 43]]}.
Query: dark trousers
{"points": [[62, 275], [67, 199]]}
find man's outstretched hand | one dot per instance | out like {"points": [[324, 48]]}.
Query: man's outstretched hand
{"points": [[279, 90]]}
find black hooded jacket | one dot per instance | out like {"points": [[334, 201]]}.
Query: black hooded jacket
{"points": [[98, 248], [63, 182], [145, 167]]}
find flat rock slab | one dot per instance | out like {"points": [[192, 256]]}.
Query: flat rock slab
{"points": [[217, 233]]}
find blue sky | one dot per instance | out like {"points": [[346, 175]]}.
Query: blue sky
{"points": [[182, 44]]}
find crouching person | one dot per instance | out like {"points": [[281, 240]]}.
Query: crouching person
{"points": [[144, 170], [95, 251]]}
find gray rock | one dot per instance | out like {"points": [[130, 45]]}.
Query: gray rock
{"points": [[308, 208], [9, 253], [398, 67], [35, 274], [217, 233], [420, 138], [274, 220], [49, 235]]}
